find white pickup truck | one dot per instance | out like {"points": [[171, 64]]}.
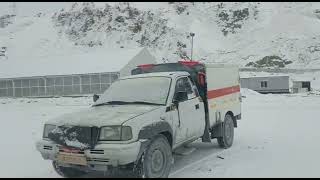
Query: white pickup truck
{"points": [[141, 119]]}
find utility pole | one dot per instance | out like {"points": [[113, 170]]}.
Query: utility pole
{"points": [[14, 8], [192, 35]]}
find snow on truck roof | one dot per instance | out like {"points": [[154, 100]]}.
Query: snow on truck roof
{"points": [[157, 74], [94, 61], [178, 73], [218, 65]]}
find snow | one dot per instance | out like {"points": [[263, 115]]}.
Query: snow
{"points": [[101, 115], [24, 122], [277, 137], [94, 61], [76, 143], [246, 91]]}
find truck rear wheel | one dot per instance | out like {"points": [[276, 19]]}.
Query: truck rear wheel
{"points": [[156, 162], [67, 172], [227, 133]]}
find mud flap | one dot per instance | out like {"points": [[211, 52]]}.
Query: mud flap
{"points": [[137, 164], [206, 134], [217, 131]]}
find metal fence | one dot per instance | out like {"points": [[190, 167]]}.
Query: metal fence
{"points": [[64, 85]]}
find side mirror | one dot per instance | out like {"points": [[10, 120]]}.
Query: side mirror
{"points": [[180, 96], [95, 97], [175, 103]]}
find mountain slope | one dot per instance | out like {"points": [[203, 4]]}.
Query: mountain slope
{"points": [[256, 34]]}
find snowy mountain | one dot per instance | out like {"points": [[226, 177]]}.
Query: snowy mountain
{"points": [[253, 34]]}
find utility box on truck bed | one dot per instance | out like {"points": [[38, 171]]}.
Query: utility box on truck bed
{"points": [[223, 92]]}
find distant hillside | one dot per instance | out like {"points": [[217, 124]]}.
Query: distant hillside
{"points": [[251, 34]]}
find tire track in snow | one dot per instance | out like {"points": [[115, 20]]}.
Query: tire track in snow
{"points": [[204, 151]]}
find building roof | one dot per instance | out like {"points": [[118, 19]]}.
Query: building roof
{"points": [[263, 77], [301, 79], [94, 61]]}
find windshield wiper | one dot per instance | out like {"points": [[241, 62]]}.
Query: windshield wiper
{"points": [[112, 103], [125, 102], [143, 102]]}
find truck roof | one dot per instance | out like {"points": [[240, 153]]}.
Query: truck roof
{"points": [[219, 65], [171, 74]]}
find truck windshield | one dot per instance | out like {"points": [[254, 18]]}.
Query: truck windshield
{"points": [[143, 90]]}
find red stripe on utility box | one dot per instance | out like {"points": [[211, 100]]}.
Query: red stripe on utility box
{"points": [[222, 92]]}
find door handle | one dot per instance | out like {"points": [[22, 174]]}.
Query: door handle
{"points": [[197, 106]]}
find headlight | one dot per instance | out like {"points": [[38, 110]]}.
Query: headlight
{"points": [[47, 129], [115, 133]]}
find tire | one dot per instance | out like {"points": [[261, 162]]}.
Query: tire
{"points": [[156, 162], [227, 133], [67, 172]]}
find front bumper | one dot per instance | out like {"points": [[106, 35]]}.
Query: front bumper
{"points": [[98, 158]]}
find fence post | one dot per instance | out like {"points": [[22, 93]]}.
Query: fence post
{"points": [[90, 83], [13, 89], [45, 85], [80, 84], [63, 85], [7, 88], [100, 80]]}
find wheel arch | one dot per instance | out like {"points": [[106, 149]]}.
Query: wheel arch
{"points": [[168, 135], [233, 118], [149, 132]]}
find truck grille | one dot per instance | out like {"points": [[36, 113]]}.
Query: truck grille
{"points": [[47, 147], [86, 137]]}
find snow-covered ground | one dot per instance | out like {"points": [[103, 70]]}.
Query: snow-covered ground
{"points": [[277, 137]]}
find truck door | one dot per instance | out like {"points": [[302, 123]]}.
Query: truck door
{"points": [[190, 112]]}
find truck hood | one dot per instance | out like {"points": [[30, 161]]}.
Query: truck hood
{"points": [[103, 115]]}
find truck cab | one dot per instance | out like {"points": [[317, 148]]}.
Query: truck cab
{"points": [[139, 121]]}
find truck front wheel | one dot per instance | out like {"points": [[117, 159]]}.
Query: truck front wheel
{"points": [[227, 133], [157, 160]]}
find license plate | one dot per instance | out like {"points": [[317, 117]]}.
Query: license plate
{"points": [[68, 158]]}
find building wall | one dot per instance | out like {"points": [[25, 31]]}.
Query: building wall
{"points": [[275, 84], [297, 86]]}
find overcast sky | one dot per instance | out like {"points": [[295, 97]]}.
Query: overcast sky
{"points": [[31, 8]]}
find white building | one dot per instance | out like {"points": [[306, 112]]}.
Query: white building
{"points": [[300, 85], [266, 84]]}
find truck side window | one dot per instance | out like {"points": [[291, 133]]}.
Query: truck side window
{"points": [[194, 87], [183, 84]]}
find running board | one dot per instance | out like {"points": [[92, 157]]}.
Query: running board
{"points": [[184, 150]]}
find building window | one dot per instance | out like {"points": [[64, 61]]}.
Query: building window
{"points": [[306, 84], [264, 84]]}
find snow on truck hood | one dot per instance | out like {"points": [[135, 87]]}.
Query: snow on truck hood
{"points": [[102, 115]]}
